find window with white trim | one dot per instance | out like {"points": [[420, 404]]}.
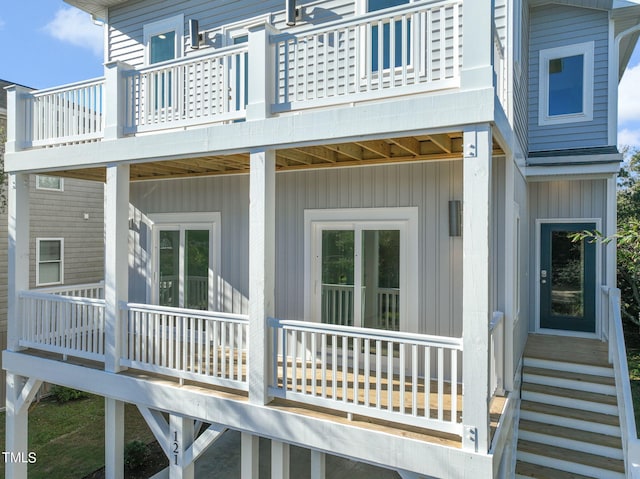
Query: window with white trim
{"points": [[566, 84], [51, 183], [49, 261], [163, 40]]}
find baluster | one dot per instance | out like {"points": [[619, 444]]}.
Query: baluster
{"points": [[414, 379], [440, 384], [367, 370], [390, 376], [401, 374], [427, 382], [334, 367], [294, 360], [378, 372], [345, 367], [216, 347], [356, 369], [392, 52], [304, 362], [314, 351], [223, 349], [454, 386]]}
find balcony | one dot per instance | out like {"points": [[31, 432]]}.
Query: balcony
{"points": [[275, 73]]}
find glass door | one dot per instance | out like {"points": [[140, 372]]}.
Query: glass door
{"points": [[567, 278], [360, 277], [185, 265]]}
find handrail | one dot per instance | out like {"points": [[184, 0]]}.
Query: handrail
{"points": [[61, 299], [368, 333], [68, 86], [193, 313]]}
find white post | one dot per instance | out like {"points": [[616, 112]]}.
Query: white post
{"points": [[18, 264], [477, 45], [181, 435], [17, 420], [318, 465], [249, 455], [261, 270], [510, 249], [279, 460], [262, 72], [114, 438], [116, 272], [476, 281], [114, 94], [17, 119]]}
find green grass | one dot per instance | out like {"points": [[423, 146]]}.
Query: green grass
{"points": [[68, 439]]}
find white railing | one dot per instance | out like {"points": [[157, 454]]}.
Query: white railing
{"points": [[618, 356], [67, 325], [403, 50], [202, 346], [187, 92], [88, 290], [338, 306], [66, 114], [402, 377], [388, 312], [496, 367]]}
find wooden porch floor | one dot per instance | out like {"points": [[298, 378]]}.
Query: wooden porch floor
{"points": [[333, 415], [591, 352]]}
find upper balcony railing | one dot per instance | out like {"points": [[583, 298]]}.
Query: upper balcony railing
{"points": [[415, 48]]}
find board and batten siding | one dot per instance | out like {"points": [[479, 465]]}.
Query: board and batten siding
{"points": [[521, 324], [126, 22], [580, 199], [520, 84], [428, 186], [555, 26]]}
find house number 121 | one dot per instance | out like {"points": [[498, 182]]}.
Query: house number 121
{"points": [[176, 447]]}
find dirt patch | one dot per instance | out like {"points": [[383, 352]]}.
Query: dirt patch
{"points": [[156, 462]]}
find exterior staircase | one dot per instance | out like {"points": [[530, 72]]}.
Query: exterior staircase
{"points": [[569, 425]]}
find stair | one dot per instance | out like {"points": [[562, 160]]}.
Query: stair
{"points": [[569, 425]]}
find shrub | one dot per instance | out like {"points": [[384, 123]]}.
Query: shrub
{"points": [[63, 394], [135, 454]]}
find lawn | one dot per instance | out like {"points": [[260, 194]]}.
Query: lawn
{"points": [[68, 438]]}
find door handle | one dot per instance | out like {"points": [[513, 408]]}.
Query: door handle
{"points": [[543, 276]]}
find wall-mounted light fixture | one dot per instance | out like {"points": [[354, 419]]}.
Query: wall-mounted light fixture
{"points": [[292, 13], [195, 37], [455, 218]]}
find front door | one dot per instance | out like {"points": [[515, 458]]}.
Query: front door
{"points": [[567, 278]]}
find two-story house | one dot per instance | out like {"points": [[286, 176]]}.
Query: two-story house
{"points": [[66, 245], [336, 225]]}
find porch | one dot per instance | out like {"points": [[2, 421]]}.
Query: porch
{"points": [[373, 378]]}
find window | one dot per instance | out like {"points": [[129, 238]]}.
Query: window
{"points": [[163, 39], [50, 254], [566, 84], [53, 183]]}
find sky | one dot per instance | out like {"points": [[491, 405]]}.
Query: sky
{"points": [[46, 43]]}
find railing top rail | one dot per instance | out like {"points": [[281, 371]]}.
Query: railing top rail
{"points": [[364, 18], [193, 313], [70, 86], [70, 287], [205, 55], [56, 298], [369, 333], [498, 317]]}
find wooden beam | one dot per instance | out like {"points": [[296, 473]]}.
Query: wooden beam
{"points": [[320, 153], [350, 150], [442, 141], [409, 144], [378, 147]]}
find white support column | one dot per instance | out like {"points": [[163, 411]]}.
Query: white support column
{"points": [[181, 434], [262, 67], [18, 265], [477, 49], [16, 118], [20, 393], [116, 265], [476, 281], [318, 465], [261, 270], [114, 438], [612, 228], [115, 92], [249, 455], [510, 238], [279, 460]]}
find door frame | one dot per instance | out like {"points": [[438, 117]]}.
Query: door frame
{"points": [[404, 219], [179, 221], [536, 279]]}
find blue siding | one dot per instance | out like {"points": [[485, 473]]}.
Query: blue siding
{"points": [[555, 26]]}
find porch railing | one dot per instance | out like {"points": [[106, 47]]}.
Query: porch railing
{"points": [[202, 346], [67, 325], [618, 357], [88, 290], [402, 50], [338, 306], [497, 354], [188, 92], [408, 378], [66, 114]]}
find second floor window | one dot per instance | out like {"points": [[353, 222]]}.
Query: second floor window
{"points": [[54, 183], [50, 254]]}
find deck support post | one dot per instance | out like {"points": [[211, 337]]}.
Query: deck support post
{"points": [[261, 65], [116, 265], [318, 464], [181, 437], [16, 113], [476, 289], [261, 270], [477, 50], [18, 260], [114, 85], [114, 438], [511, 237], [20, 393], [279, 460], [249, 455]]}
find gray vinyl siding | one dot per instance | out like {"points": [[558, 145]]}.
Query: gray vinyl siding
{"points": [[554, 26], [60, 214], [564, 200], [428, 186], [126, 22], [520, 84]]}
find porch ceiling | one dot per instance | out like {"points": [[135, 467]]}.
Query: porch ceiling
{"points": [[392, 150]]}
